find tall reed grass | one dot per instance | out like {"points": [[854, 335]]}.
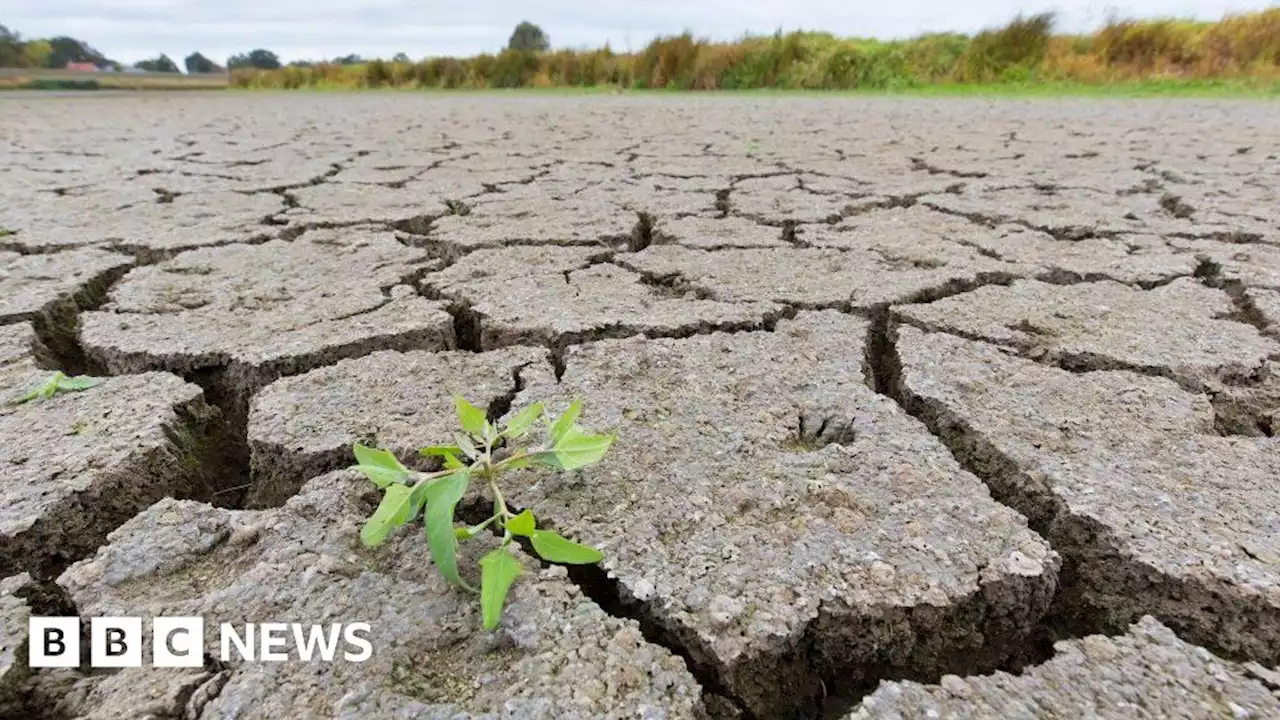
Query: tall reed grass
{"points": [[1026, 50]]}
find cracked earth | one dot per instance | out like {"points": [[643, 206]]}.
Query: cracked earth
{"points": [[926, 408]]}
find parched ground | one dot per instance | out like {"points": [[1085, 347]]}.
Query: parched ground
{"points": [[926, 408]]}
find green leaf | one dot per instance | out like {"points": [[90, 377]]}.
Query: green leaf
{"points": [[392, 512], [44, 390], [30, 395], [464, 443], [522, 524], [450, 454], [442, 497], [80, 382], [552, 547], [523, 420], [545, 458], [498, 570], [380, 466], [578, 449], [565, 421], [418, 499], [470, 417], [366, 455], [380, 476]]}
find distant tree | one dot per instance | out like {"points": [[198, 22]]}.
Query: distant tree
{"points": [[161, 64], [352, 59], [302, 64], [10, 48], [264, 59], [68, 49], [401, 58], [35, 53], [260, 59], [528, 37], [198, 63]]}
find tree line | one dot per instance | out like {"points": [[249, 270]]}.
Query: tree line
{"points": [[57, 52]]}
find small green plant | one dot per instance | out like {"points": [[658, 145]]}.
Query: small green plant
{"points": [[482, 451], [5, 232], [56, 383]]}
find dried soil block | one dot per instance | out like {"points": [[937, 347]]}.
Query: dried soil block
{"points": [[813, 277], [303, 425], [19, 348], [782, 199], [345, 203], [49, 290], [1179, 330], [916, 237], [1145, 674], [557, 296], [1124, 474], [717, 233], [1143, 260], [1234, 264], [555, 655], [1071, 213], [247, 314], [75, 466], [593, 222], [15, 610], [149, 228], [784, 522], [1266, 303]]}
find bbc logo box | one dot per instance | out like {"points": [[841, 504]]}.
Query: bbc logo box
{"points": [[118, 642], [115, 642]]}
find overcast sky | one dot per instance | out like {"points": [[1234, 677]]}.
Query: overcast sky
{"points": [[131, 30]]}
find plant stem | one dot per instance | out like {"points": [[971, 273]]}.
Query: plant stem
{"points": [[487, 470]]}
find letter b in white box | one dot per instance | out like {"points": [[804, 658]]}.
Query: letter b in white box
{"points": [[177, 642], [53, 642], [115, 642]]}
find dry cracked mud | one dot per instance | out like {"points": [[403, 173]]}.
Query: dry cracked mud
{"points": [[1145, 674], [1124, 474], [234, 318], [51, 290], [782, 520], [907, 390], [557, 655], [558, 296], [79, 464], [304, 425], [15, 610]]}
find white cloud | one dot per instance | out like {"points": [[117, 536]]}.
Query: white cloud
{"points": [[130, 30]]}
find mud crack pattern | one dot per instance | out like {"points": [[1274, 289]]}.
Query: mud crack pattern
{"points": [[927, 408]]}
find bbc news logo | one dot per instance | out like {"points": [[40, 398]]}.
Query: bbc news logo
{"points": [[117, 642]]}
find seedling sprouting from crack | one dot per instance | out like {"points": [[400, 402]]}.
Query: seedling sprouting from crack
{"points": [[56, 383], [485, 447]]}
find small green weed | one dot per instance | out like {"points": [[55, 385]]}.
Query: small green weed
{"points": [[5, 232], [56, 383], [408, 494]]}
